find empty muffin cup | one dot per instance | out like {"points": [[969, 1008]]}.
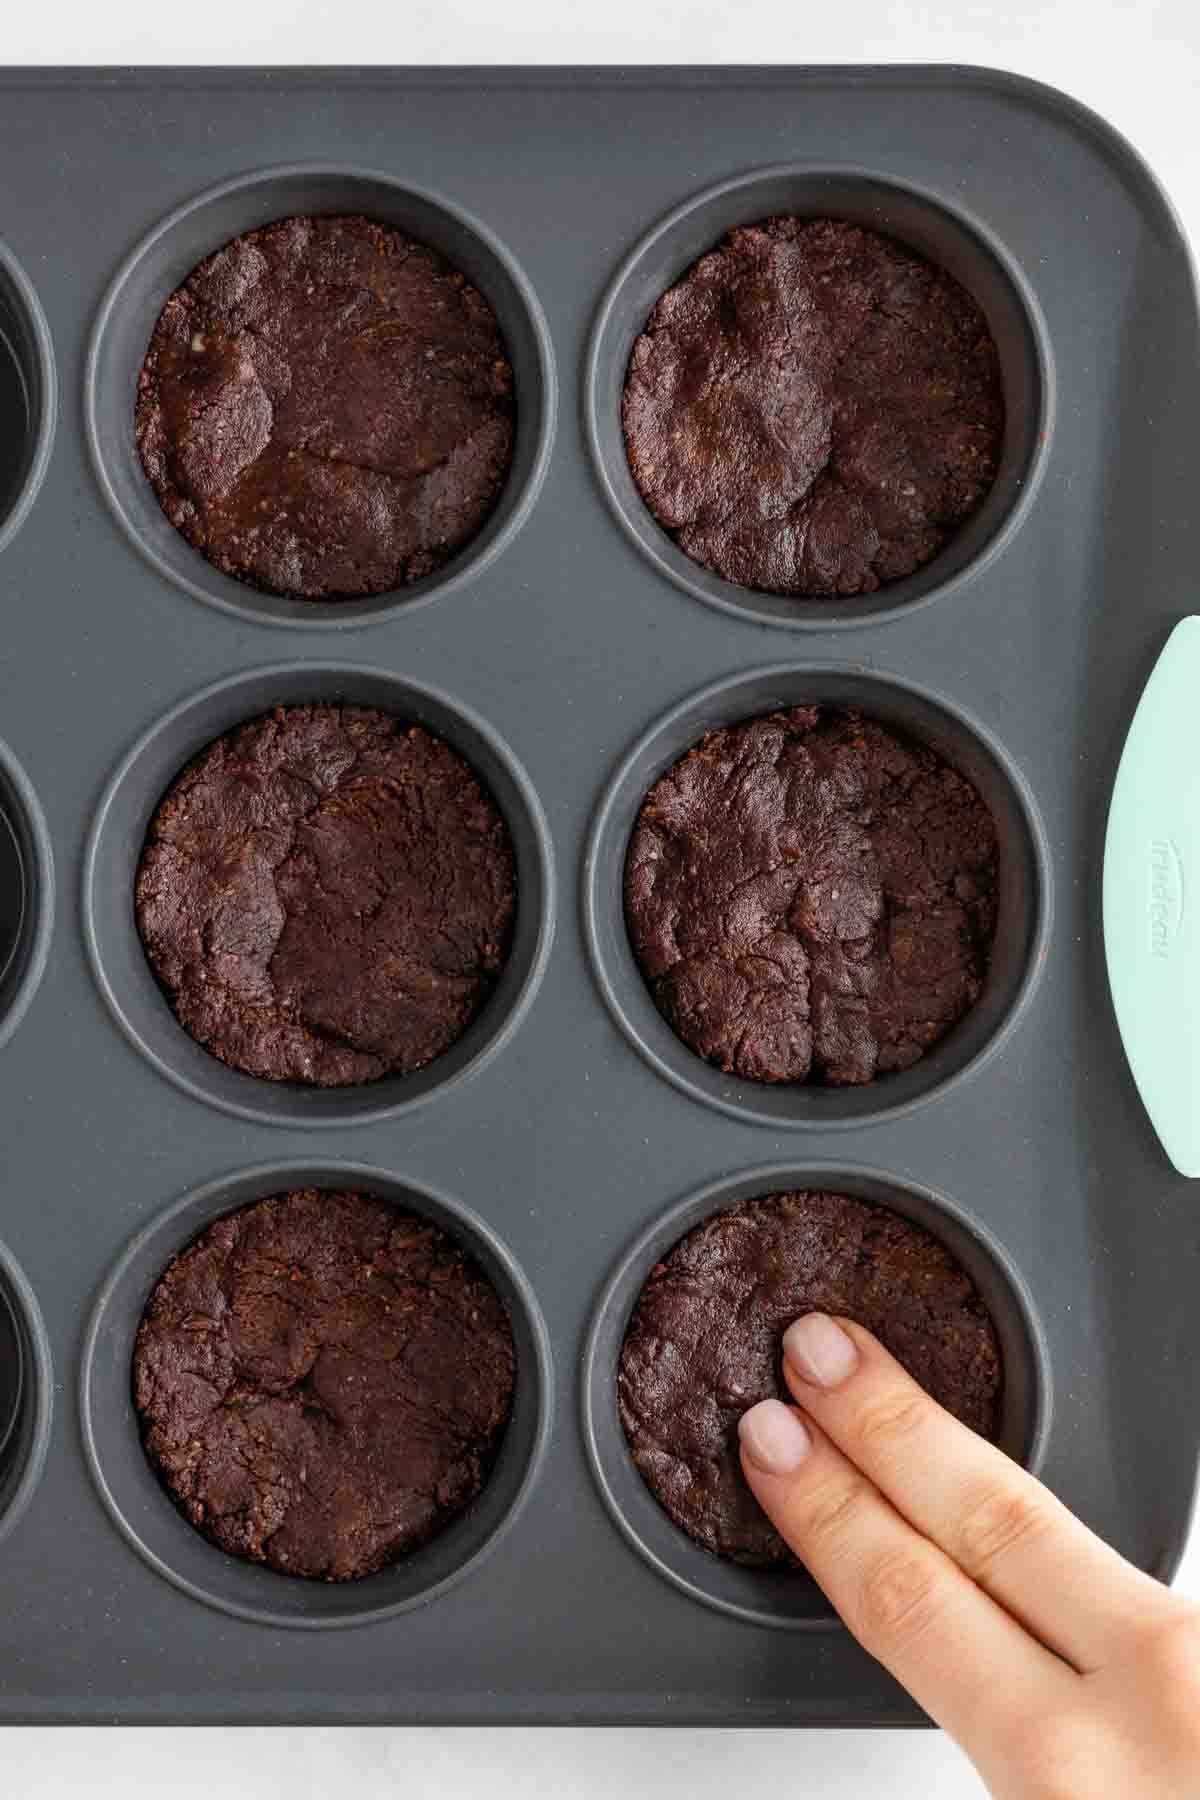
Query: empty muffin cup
{"points": [[326, 456], [137, 1499], [1021, 895], [914, 221], [777, 1595], [26, 893], [26, 1392], [27, 394], [116, 859]]}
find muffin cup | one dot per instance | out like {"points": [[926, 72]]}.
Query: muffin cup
{"points": [[26, 893], [26, 1392], [165, 258], [926, 223], [1024, 895], [148, 1518], [27, 395], [118, 958], [784, 1597]]}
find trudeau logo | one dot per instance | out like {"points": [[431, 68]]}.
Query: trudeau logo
{"points": [[1165, 906]]}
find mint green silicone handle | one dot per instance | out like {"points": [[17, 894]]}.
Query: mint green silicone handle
{"points": [[1152, 897]]}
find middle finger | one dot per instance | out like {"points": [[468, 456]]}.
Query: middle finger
{"points": [[1001, 1526]]}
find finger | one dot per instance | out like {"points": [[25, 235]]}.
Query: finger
{"points": [[960, 1655], [1003, 1528]]}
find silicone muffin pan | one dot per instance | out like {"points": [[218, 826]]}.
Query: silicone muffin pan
{"points": [[570, 652]]}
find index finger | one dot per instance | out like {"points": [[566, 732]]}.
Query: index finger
{"points": [[960, 1655], [1000, 1525]]}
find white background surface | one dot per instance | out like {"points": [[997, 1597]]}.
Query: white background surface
{"points": [[1139, 65]]}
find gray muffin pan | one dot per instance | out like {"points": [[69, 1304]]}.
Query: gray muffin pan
{"points": [[571, 653]]}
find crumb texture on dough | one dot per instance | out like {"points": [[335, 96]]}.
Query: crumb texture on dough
{"points": [[326, 409], [813, 409], [703, 1343], [327, 896], [811, 896], [323, 1382]]}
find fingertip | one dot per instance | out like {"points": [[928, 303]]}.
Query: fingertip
{"points": [[818, 1351], [774, 1438]]}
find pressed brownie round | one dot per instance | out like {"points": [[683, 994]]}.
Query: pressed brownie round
{"points": [[703, 1343], [813, 409], [326, 409], [812, 897], [327, 896], [323, 1382]]}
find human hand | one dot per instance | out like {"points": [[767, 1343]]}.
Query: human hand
{"points": [[1064, 1672]]}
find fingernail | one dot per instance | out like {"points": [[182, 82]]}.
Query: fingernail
{"points": [[819, 1351], [773, 1437]]}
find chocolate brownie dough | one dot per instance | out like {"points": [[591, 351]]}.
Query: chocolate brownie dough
{"points": [[323, 1382], [811, 896], [327, 896], [704, 1343], [813, 409], [326, 409]]}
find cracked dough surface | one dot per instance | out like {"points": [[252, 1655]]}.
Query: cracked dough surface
{"points": [[811, 896], [327, 896], [323, 1382], [325, 409], [813, 409], [703, 1343]]}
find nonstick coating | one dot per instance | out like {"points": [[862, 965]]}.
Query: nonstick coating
{"points": [[570, 653]]}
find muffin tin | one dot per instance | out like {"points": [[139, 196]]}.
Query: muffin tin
{"points": [[571, 653]]}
